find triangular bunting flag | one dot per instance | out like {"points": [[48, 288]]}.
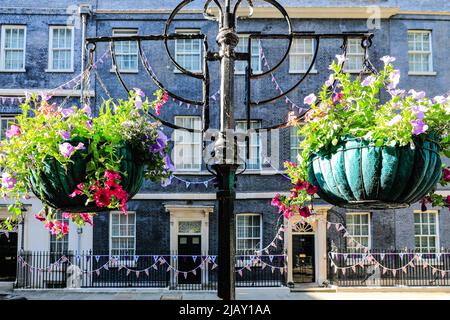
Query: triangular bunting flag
{"points": [[136, 258], [353, 268], [425, 264], [169, 268], [271, 258], [443, 273], [346, 234], [394, 272], [385, 270], [248, 268], [266, 250], [434, 271], [240, 272], [155, 267], [155, 258], [273, 245], [281, 270], [328, 225], [273, 269], [185, 274], [194, 258], [404, 269], [263, 265], [137, 274], [128, 271], [120, 268], [382, 256], [194, 272], [337, 226], [214, 266], [345, 256], [205, 184], [401, 255], [213, 258], [97, 258], [146, 272], [97, 272], [106, 267]]}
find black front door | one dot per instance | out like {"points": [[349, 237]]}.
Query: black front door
{"points": [[8, 256], [303, 258], [188, 248]]}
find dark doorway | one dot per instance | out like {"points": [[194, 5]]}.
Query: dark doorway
{"points": [[303, 270], [8, 256], [190, 246]]}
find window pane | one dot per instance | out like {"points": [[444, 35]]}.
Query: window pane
{"points": [[187, 148], [126, 51], [189, 53]]}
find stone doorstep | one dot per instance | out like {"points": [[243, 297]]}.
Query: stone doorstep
{"points": [[332, 289]]}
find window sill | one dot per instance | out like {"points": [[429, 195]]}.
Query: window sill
{"points": [[430, 73], [59, 71], [262, 172], [8, 71], [242, 73], [302, 71], [193, 71], [124, 71]]}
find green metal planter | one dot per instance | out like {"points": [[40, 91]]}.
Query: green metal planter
{"points": [[54, 184], [355, 174]]}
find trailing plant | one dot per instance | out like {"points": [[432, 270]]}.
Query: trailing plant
{"points": [[46, 131], [348, 107]]}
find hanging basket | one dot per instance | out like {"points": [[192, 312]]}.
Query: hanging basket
{"points": [[356, 174], [54, 184]]}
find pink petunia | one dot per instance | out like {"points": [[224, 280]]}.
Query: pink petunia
{"points": [[14, 130]]}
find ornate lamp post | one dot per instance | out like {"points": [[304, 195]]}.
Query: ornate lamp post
{"points": [[225, 155]]}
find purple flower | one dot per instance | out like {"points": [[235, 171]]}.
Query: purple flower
{"points": [[65, 135], [13, 131], [138, 102], [80, 146], [87, 109], [310, 99], [440, 100], [341, 58], [45, 97], [330, 81], [139, 92], [394, 120], [419, 111], [418, 126], [67, 112], [66, 149], [368, 81], [387, 59], [417, 95], [394, 79], [397, 92], [160, 143], [89, 124], [168, 163], [8, 181], [166, 182]]}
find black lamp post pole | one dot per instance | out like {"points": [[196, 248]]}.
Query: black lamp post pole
{"points": [[226, 164]]}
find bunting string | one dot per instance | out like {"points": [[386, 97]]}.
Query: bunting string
{"points": [[159, 261], [72, 83]]}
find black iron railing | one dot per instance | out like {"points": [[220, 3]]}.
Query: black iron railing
{"points": [[389, 268], [45, 270]]}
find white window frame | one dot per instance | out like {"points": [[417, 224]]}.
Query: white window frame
{"points": [[369, 231], [430, 71], [126, 32], [346, 69], [11, 118], [200, 56], [241, 263], [258, 137], [129, 262], [51, 29], [175, 147], [2, 47], [294, 148], [436, 236], [292, 55], [244, 38]]}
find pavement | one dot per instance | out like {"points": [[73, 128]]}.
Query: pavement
{"points": [[241, 294]]}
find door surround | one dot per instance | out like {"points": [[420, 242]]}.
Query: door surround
{"points": [[189, 213], [320, 243]]}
